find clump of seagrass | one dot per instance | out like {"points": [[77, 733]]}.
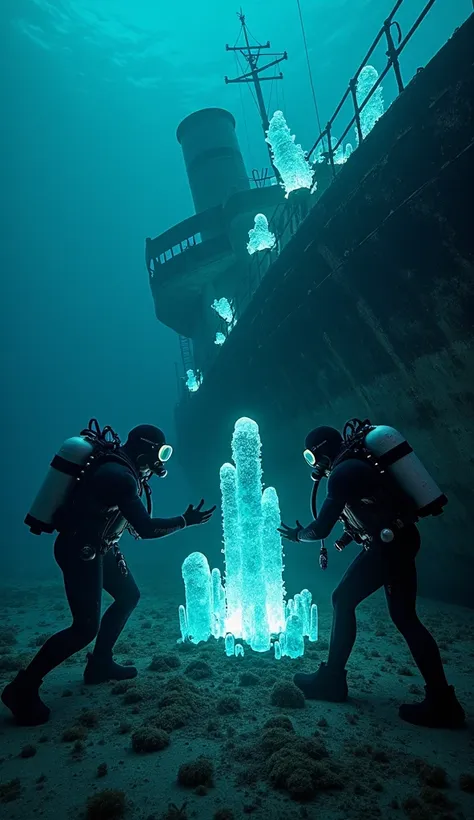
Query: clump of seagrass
{"points": [[164, 663], [198, 670], [109, 804], [148, 739], [180, 704], [297, 764], [198, 772], [287, 695]]}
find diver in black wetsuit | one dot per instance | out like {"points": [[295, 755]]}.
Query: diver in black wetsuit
{"points": [[355, 496], [86, 550]]}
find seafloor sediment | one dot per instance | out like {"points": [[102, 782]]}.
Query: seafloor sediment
{"points": [[253, 746]]}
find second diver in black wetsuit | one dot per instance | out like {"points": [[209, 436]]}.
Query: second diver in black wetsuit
{"points": [[86, 550], [356, 496]]}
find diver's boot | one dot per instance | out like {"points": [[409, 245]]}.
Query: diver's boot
{"points": [[325, 684], [99, 670], [439, 710], [21, 696]]}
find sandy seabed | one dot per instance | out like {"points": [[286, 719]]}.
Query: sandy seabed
{"points": [[199, 735]]}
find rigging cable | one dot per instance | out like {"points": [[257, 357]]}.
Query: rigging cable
{"points": [[243, 71], [309, 67], [244, 117], [272, 84]]}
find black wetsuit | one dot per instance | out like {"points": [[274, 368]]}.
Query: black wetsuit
{"points": [[355, 494], [109, 500]]}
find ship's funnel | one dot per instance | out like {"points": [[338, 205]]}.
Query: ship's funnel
{"points": [[214, 163]]}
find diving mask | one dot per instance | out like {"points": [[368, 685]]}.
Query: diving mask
{"points": [[309, 457]]}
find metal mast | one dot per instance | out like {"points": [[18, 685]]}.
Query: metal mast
{"points": [[252, 54]]}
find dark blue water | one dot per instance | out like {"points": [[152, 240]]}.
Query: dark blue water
{"points": [[91, 96]]}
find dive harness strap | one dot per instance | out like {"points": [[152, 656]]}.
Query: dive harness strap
{"points": [[323, 553], [89, 553], [354, 448]]}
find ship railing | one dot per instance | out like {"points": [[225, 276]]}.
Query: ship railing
{"points": [[181, 238], [393, 53], [263, 178], [289, 215]]}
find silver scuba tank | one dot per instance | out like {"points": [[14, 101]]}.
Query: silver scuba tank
{"points": [[65, 469], [392, 453]]}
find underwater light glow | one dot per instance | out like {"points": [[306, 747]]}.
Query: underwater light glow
{"points": [[250, 604], [260, 236], [290, 159]]}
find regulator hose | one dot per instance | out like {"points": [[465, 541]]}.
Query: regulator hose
{"points": [[149, 502], [323, 553], [314, 493]]}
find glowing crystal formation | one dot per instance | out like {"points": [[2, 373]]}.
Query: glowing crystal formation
{"points": [[193, 381], [313, 627], [289, 159], [233, 563], [246, 450], [294, 647], [340, 156], [348, 150], [260, 236], [273, 552], [239, 650], [183, 623], [229, 644], [224, 309], [250, 604], [306, 599], [375, 107], [218, 604], [197, 585], [220, 338], [290, 608]]}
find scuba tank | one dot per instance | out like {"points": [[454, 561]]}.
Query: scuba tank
{"points": [[68, 466], [389, 452]]}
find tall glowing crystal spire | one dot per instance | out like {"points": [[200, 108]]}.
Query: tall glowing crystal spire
{"points": [[232, 549], [246, 452], [288, 158], [273, 560]]}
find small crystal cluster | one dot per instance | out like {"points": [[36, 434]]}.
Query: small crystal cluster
{"points": [[193, 381], [375, 107], [224, 309], [260, 236]]}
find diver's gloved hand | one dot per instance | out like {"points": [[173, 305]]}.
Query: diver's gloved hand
{"points": [[290, 533], [196, 515]]}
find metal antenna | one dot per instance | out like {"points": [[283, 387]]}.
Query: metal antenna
{"points": [[252, 54]]}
